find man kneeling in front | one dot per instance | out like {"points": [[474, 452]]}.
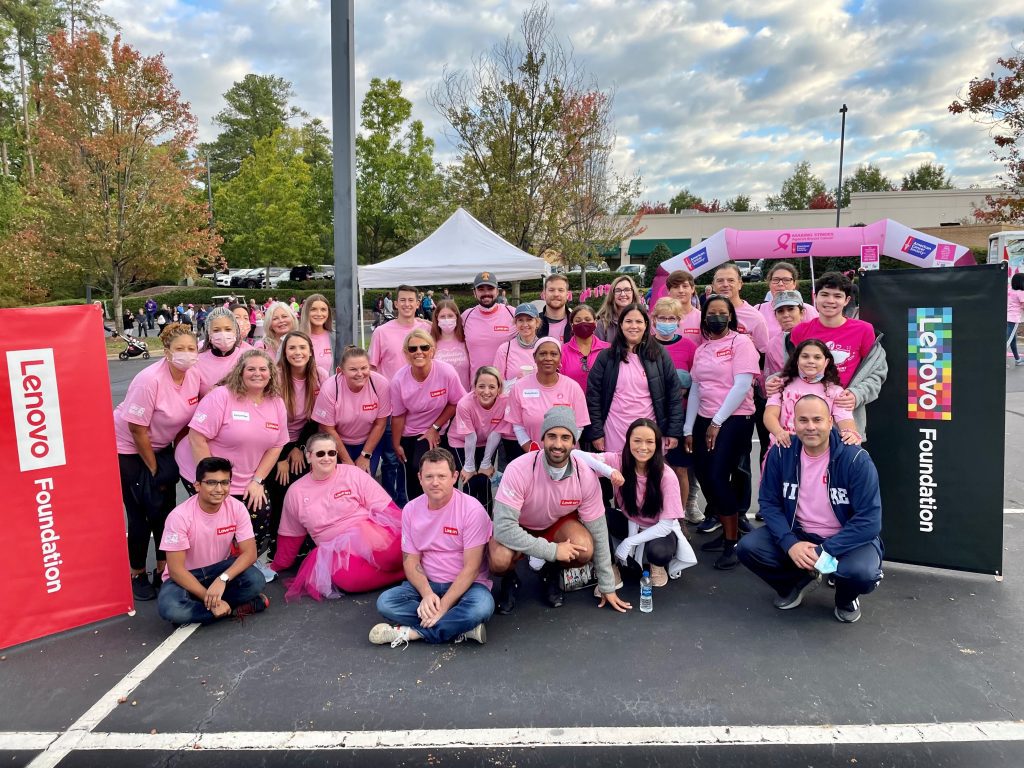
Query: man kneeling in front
{"points": [[203, 582], [447, 593], [822, 513]]}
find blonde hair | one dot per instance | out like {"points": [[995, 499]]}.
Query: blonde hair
{"points": [[270, 340], [668, 306], [304, 313], [418, 333], [172, 331], [608, 313], [236, 386]]}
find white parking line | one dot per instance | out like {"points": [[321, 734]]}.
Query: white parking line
{"points": [[60, 747], [493, 738]]}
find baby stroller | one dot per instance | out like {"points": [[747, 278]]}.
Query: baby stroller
{"points": [[135, 346]]}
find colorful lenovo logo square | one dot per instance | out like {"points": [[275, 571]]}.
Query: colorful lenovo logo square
{"points": [[930, 363]]}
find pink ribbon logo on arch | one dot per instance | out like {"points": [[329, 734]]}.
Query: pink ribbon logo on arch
{"points": [[783, 242]]}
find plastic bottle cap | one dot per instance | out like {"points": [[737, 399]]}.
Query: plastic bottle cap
{"points": [[647, 573]]}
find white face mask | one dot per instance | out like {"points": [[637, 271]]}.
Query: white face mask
{"points": [[223, 340], [183, 360], [447, 325]]}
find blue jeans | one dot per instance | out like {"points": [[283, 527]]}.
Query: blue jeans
{"points": [[392, 473], [355, 450], [398, 605], [1011, 339], [178, 606], [858, 573]]}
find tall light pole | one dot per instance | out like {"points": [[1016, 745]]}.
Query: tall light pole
{"points": [[346, 293], [842, 141]]}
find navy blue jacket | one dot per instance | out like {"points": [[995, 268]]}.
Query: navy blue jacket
{"points": [[852, 491]]}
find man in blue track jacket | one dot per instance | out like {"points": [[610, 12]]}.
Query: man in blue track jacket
{"points": [[823, 515]]}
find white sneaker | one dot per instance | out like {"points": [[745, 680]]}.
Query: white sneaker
{"points": [[1019, 362], [268, 573], [477, 633], [693, 513], [385, 634], [536, 563]]}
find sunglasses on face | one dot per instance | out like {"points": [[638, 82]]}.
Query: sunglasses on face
{"points": [[419, 348], [320, 454]]}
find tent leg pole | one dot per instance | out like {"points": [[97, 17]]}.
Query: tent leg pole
{"points": [[810, 261], [362, 320]]}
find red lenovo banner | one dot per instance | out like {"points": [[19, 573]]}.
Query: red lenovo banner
{"points": [[65, 559]]}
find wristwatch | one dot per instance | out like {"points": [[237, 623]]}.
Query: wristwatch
{"points": [[436, 428], [366, 455], [224, 577]]}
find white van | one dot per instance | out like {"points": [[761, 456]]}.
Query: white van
{"points": [[1008, 247]]}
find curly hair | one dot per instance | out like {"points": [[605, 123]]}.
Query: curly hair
{"points": [[216, 314], [233, 381], [172, 331]]}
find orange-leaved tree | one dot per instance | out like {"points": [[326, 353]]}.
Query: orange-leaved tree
{"points": [[116, 194]]}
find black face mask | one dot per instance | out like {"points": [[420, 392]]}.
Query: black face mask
{"points": [[717, 323]]}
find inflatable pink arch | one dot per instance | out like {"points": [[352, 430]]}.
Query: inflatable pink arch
{"points": [[890, 237]]}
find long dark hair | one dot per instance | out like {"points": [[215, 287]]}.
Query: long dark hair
{"points": [[619, 349], [653, 500], [733, 322], [791, 370], [309, 373]]}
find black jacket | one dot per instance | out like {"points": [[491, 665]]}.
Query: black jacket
{"points": [[666, 394]]}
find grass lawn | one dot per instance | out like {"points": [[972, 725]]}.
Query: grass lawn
{"points": [[114, 346]]}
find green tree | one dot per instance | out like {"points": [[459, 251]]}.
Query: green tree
{"points": [[867, 178], [684, 201], [798, 191], [263, 212], [316, 143], [257, 106], [927, 176], [397, 184], [659, 253], [740, 204]]}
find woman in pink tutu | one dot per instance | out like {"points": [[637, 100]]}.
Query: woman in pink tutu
{"points": [[354, 524]]}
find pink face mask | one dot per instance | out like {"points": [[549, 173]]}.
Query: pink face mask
{"points": [[183, 360], [447, 325], [223, 340]]}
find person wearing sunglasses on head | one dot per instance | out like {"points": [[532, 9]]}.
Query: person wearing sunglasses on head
{"points": [[353, 522], [424, 395]]}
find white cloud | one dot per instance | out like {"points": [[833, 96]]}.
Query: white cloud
{"points": [[723, 97]]}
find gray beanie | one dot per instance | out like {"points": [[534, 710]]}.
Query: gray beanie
{"points": [[560, 416]]}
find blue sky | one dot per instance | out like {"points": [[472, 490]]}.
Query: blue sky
{"points": [[721, 97]]}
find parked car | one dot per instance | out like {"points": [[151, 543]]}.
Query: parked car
{"points": [[637, 271], [756, 273], [592, 266], [744, 268], [243, 278], [224, 278]]}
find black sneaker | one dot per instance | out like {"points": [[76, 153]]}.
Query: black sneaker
{"points": [[141, 588], [505, 600], [795, 596], [743, 523], [158, 579], [848, 613], [717, 544], [759, 517], [728, 559], [710, 525], [552, 586]]}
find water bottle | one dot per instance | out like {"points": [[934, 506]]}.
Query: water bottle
{"points": [[646, 593]]}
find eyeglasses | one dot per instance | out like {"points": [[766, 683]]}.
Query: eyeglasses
{"points": [[216, 483], [320, 454], [419, 348], [627, 289], [781, 280]]}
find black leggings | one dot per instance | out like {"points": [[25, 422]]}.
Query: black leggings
{"points": [[715, 468], [658, 551], [414, 449], [142, 524], [479, 487]]}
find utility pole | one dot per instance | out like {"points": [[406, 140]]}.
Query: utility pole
{"points": [[346, 289], [842, 141]]}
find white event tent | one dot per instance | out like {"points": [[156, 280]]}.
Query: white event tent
{"points": [[453, 254]]}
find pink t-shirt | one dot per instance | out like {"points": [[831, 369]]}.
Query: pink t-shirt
{"points": [[485, 331], [387, 346], [631, 401], [689, 326], [238, 430], [573, 364], [715, 367], [473, 418], [352, 413], [672, 502], [212, 368], [205, 538], [527, 488], [511, 356], [441, 536], [776, 355], [452, 351], [813, 508], [421, 402], [298, 417], [529, 400], [681, 351], [323, 353], [850, 342], [326, 508], [797, 388], [153, 400], [556, 328], [750, 322], [772, 322], [1014, 305]]}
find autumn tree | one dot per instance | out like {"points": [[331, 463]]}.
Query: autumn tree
{"points": [[799, 190], [867, 178], [647, 208], [506, 117], [998, 103], [113, 197], [397, 184], [927, 176]]}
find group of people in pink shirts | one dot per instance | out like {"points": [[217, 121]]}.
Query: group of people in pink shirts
{"points": [[281, 455]]}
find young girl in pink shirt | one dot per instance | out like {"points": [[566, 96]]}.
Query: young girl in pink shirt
{"points": [[446, 328], [353, 522], [316, 321], [810, 370], [477, 430]]}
